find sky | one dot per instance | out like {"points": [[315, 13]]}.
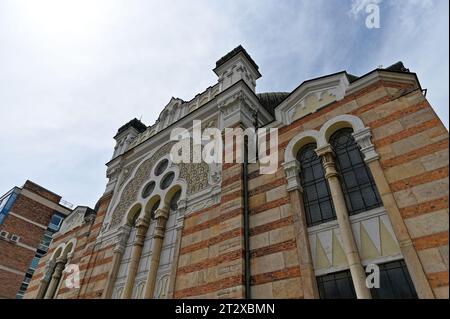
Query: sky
{"points": [[73, 72]]}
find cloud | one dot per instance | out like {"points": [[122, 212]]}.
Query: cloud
{"points": [[65, 90]]}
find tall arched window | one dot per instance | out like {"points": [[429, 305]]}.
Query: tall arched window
{"points": [[174, 200], [316, 193], [359, 188]]}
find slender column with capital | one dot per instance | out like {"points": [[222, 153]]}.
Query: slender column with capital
{"points": [[141, 231], [371, 157], [119, 249], [54, 281], [310, 290], [46, 279], [161, 217], [350, 247]]}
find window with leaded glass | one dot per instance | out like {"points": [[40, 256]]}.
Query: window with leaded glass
{"points": [[337, 285], [148, 189], [395, 282], [316, 193], [359, 188], [167, 180]]}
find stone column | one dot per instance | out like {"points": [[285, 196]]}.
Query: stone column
{"points": [[124, 234], [47, 277], [371, 157], [350, 248], [54, 281], [141, 231], [310, 290], [161, 217]]}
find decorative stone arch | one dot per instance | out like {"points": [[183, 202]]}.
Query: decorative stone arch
{"points": [[54, 268], [58, 252], [133, 214], [149, 205], [69, 248], [131, 183], [337, 123], [291, 165], [361, 133], [171, 192], [298, 141]]}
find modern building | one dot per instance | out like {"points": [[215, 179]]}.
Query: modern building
{"points": [[29, 216], [360, 188]]}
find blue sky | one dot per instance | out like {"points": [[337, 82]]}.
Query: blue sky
{"points": [[72, 72]]}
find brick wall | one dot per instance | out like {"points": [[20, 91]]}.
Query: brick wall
{"points": [[211, 257], [34, 188], [14, 256], [10, 283], [413, 147]]}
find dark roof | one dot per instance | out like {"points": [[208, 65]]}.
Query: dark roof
{"points": [[269, 100], [397, 67], [135, 123], [352, 78], [234, 52]]}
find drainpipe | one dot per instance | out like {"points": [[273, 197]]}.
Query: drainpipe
{"points": [[246, 222]]}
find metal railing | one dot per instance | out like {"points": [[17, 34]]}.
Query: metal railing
{"points": [[65, 203]]}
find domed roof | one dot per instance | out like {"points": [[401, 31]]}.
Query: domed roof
{"points": [[269, 100]]}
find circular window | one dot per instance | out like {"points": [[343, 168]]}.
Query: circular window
{"points": [[161, 167], [167, 180], [148, 189]]}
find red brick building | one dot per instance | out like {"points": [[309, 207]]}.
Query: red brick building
{"points": [[360, 181], [29, 216]]}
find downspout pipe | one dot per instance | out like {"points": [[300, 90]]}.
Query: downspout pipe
{"points": [[247, 274]]}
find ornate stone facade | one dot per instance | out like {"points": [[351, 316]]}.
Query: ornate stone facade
{"points": [[191, 242]]}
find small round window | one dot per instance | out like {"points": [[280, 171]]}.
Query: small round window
{"points": [[148, 189], [167, 180], [161, 167]]}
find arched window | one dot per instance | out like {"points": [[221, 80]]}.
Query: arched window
{"points": [[174, 200], [316, 193], [359, 188], [154, 208]]}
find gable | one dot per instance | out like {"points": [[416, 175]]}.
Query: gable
{"points": [[311, 96]]}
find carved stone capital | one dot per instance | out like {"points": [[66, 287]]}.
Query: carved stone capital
{"points": [[363, 139], [59, 267], [69, 256], [326, 153], [124, 233], [142, 222], [49, 265], [292, 170], [162, 213], [161, 217]]}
